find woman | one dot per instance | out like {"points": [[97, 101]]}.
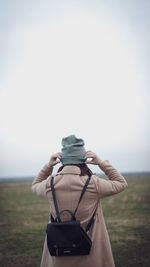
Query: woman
{"points": [[69, 183]]}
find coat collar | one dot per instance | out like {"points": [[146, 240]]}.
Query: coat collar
{"points": [[70, 169]]}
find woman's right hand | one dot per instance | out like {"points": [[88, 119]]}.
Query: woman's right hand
{"points": [[94, 158]]}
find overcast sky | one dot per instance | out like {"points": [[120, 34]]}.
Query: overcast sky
{"points": [[74, 67]]}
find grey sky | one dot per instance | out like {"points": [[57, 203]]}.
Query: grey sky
{"points": [[78, 67]]}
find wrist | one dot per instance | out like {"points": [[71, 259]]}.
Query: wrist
{"points": [[50, 166], [100, 162]]}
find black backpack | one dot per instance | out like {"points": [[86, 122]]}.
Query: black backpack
{"points": [[68, 238]]}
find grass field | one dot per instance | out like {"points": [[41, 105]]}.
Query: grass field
{"points": [[23, 218]]}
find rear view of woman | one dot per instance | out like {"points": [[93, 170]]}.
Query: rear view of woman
{"points": [[68, 184]]}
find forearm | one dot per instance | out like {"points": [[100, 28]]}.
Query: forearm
{"points": [[43, 174], [42, 181], [112, 173]]}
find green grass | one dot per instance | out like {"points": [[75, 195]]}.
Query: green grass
{"points": [[23, 219]]}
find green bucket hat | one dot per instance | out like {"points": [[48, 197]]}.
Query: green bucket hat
{"points": [[73, 151]]}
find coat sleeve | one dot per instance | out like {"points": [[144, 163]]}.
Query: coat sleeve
{"points": [[39, 184], [115, 183]]}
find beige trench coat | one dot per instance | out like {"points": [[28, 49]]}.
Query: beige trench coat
{"points": [[68, 186]]}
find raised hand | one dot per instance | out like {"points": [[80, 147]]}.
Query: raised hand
{"points": [[54, 159], [94, 158]]}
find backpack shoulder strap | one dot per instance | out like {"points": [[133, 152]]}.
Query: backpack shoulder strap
{"points": [[90, 221], [81, 196], [54, 199], [82, 193]]}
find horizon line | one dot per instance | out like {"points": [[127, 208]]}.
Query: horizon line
{"points": [[32, 176]]}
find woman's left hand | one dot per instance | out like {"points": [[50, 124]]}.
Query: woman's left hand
{"points": [[54, 159]]}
